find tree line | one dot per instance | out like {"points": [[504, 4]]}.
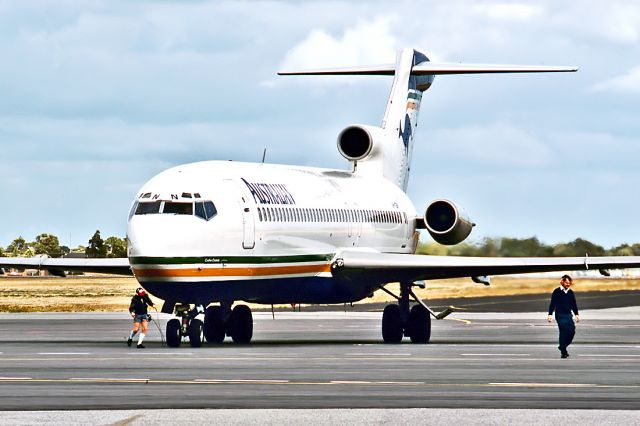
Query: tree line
{"points": [[527, 247], [49, 244], [113, 246]]}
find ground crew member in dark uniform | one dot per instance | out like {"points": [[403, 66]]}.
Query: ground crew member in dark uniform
{"points": [[563, 302], [138, 311]]}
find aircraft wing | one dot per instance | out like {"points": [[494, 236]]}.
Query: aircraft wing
{"points": [[57, 266], [383, 268]]}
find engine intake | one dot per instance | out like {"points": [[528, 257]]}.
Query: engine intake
{"points": [[356, 142], [446, 224]]}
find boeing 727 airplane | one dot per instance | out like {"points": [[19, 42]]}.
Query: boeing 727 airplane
{"points": [[206, 235]]}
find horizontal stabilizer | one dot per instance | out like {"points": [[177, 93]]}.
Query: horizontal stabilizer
{"points": [[431, 68], [389, 69]]}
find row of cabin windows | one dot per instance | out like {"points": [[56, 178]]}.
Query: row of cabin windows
{"points": [[296, 214], [203, 209]]}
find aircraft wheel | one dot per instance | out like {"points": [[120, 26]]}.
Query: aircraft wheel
{"points": [[214, 324], [419, 325], [173, 333], [168, 307], [241, 324], [195, 333], [392, 324]]}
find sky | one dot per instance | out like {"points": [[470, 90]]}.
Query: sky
{"points": [[96, 97]]}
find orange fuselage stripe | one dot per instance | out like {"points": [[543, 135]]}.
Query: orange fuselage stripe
{"points": [[231, 272]]}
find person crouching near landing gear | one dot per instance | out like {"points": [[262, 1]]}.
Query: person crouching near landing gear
{"points": [[138, 310]]}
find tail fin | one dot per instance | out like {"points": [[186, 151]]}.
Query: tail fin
{"points": [[413, 74]]}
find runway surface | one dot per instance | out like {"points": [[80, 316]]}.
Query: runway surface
{"points": [[323, 360]]}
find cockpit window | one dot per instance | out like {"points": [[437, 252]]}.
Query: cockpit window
{"points": [[177, 208], [134, 207], [148, 208], [210, 209], [205, 210], [200, 211]]}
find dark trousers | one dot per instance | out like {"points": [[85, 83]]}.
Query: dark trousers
{"points": [[567, 330]]}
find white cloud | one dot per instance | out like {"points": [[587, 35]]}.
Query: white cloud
{"points": [[497, 144], [508, 11], [626, 83], [620, 22], [367, 43], [133, 87], [616, 21]]}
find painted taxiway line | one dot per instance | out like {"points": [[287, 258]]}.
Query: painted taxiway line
{"points": [[609, 355], [377, 354], [258, 381], [545, 385], [137, 381], [495, 354], [64, 353], [464, 321], [379, 359], [107, 380]]}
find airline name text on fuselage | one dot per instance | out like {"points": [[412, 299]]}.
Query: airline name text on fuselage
{"points": [[269, 193]]}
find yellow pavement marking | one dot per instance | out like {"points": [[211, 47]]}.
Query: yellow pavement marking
{"points": [[459, 319], [546, 385], [94, 380]]}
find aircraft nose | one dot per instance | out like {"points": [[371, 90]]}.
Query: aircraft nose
{"points": [[145, 237]]}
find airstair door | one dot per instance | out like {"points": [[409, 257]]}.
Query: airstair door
{"points": [[407, 230], [248, 214]]}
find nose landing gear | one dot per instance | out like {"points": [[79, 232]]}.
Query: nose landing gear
{"points": [[216, 323]]}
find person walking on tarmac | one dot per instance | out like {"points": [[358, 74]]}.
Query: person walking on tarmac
{"points": [[563, 302], [138, 311]]}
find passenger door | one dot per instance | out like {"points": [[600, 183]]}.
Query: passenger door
{"points": [[247, 208]]}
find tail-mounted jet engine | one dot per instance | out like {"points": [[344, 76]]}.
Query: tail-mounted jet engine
{"points": [[358, 142], [446, 223]]}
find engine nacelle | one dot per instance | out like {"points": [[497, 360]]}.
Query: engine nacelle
{"points": [[358, 142], [446, 223]]}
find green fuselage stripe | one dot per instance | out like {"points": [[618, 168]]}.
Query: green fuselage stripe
{"points": [[230, 259]]}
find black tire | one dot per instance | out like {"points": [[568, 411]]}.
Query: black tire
{"points": [[419, 325], [168, 307], [173, 333], [195, 333], [392, 324], [214, 330], [241, 324]]}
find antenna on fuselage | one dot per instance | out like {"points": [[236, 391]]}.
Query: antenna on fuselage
{"points": [[264, 155]]}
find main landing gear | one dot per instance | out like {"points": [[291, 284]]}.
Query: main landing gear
{"points": [[211, 324], [399, 320]]}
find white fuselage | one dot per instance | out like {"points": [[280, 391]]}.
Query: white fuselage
{"points": [[273, 235]]}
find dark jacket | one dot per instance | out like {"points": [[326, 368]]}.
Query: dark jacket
{"points": [[139, 304], [563, 303]]}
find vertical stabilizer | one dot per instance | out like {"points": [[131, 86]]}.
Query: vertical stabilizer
{"points": [[401, 116], [392, 156], [386, 150]]}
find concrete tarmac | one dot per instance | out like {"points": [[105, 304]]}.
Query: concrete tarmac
{"points": [[323, 360]]}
